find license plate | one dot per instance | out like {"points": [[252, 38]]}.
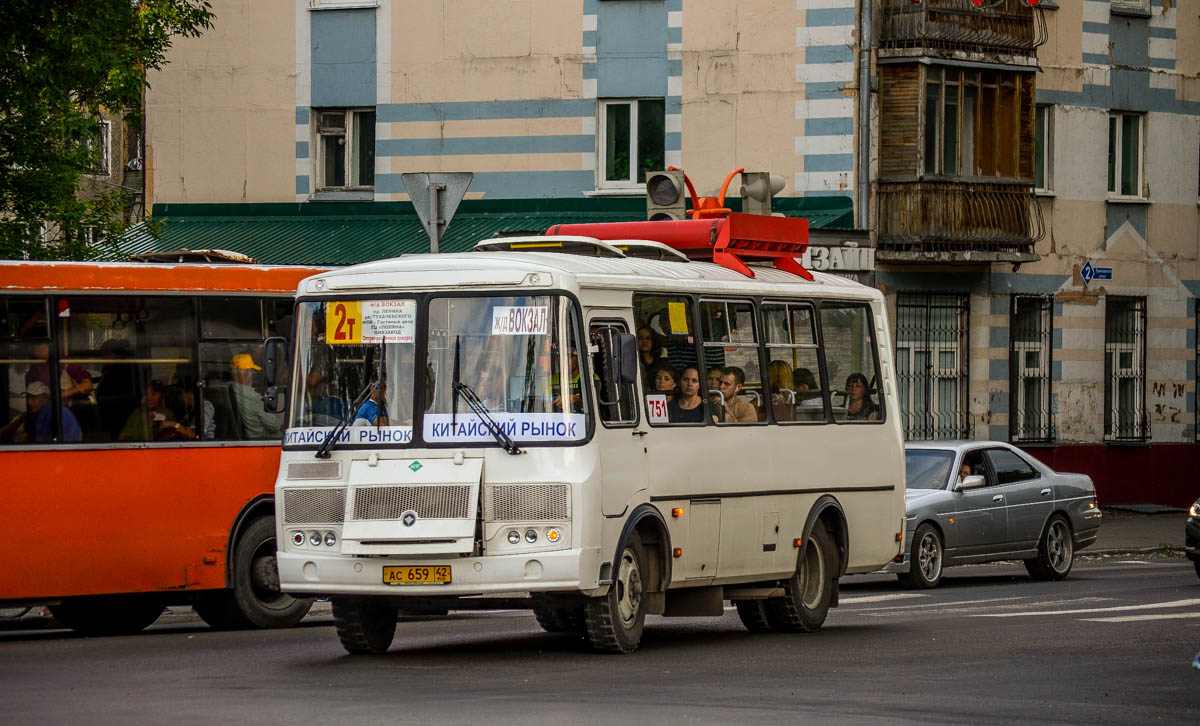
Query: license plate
{"points": [[417, 575]]}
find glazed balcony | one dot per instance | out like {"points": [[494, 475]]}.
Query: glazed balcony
{"points": [[1011, 28], [958, 221]]}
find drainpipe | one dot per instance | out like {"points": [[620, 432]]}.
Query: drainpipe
{"points": [[864, 114]]}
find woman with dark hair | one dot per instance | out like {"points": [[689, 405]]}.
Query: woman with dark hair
{"points": [[858, 404], [661, 379], [688, 406], [649, 347]]}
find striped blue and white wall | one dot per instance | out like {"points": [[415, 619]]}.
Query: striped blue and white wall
{"points": [[825, 110]]}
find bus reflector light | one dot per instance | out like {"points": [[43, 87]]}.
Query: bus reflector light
{"points": [[798, 542], [677, 512], [330, 539], [553, 534], [899, 536], [297, 538], [678, 552], [514, 537]]}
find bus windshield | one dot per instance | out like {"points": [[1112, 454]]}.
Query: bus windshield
{"points": [[507, 350], [355, 354], [361, 355]]}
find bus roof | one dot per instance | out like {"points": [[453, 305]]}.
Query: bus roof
{"points": [[510, 269], [36, 276]]}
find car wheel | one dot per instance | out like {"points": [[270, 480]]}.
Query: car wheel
{"points": [[365, 625], [809, 593], [108, 615], [753, 614], [615, 621], [1056, 552], [220, 610], [925, 560], [256, 579]]}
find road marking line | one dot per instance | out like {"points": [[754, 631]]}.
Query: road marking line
{"points": [[934, 606], [1135, 618], [1149, 606], [879, 598]]}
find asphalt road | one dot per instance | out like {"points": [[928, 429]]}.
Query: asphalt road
{"points": [[1114, 643]]}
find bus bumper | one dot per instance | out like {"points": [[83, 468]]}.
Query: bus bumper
{"points": [[575, 570]]}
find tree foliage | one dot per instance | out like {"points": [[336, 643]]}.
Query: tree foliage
{"points": [[64, 62]]}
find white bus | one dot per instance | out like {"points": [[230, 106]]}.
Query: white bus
{"points": [[606, 427]]}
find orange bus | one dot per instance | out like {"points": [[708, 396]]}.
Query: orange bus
{"points": [[139, 464]]}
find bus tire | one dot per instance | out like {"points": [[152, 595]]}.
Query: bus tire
{"points": [[365, 625], [219, 609], [753, 614], [109, 614], [256, 579], [558, 615], [615, 621], [808, 593]]}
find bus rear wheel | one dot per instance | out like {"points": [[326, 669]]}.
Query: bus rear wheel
{"points": [[108, 615], [256, 579], [365, 625], [615, 621], [809, 593]]}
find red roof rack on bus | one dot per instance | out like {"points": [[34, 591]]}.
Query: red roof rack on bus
{"points": [[726, 240]]}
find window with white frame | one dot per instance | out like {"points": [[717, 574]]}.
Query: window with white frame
{"points": [[632, 140], [345, 148], [1125, 368], [1029, 368], [99, 145], [1125, 136], [1043, 148]]}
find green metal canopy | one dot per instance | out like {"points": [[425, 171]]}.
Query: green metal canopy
{"points": [[344, 233]]}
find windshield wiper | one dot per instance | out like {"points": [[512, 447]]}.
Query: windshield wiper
{"points": [[332, 437], [478, 408]]}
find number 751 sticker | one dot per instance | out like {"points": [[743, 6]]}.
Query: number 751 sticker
{"points": [[343, 322]]}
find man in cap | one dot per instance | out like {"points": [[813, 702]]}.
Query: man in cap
{"points": [[256, 422], [36, 424]]}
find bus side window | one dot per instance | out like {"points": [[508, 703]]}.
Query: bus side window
{"points": [[793, 370], [849, 344], [614, 402], [729, 333]]}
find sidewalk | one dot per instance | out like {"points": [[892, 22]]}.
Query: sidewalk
{"points": [[1134, 529]]}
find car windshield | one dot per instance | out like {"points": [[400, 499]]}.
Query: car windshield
{"points": [[927, 468]]}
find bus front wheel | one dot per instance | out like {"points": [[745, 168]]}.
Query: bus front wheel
{"points": [[109, 614], [365, 625], [256, 579], [615, 621], [809, 593]]}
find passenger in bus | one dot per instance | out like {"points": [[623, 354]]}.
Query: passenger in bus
{"points": [[36, 423], [191, 415], [650, 348], [809, 403], [118, 392], [373, 411], [714, 379], [663, 380], [859, 406], [154, 421], [256, 422], [575, 392], [734, 409], [75, 383], [783, 396], [688, 406]]}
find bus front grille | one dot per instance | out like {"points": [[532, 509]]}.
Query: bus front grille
{"points": [[314, 470], [314, 506], [526, 503], [435, 501]]}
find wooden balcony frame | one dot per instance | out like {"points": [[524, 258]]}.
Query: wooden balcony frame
{"points": [[957, 25]]}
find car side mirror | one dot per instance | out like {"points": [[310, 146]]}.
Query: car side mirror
{"points": [[972, 482]]}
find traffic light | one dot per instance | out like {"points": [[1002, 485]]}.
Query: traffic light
{"points": [[665, 195], [757, 189]]}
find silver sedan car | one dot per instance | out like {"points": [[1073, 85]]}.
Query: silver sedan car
{"points": [[980, 501]]}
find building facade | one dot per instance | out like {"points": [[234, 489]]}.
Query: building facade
{"points": [[1023, 182]]}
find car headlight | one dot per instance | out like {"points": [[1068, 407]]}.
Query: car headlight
{"points": [[1194, 510]]}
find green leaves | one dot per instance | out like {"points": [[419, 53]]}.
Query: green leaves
{"points": [[65, 65]]}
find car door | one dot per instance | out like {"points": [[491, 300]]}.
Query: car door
{"points": [[1028, 497], [981, 517]]}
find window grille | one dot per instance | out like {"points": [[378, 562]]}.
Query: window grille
{"points": [[1125, 369], [931, 365], [1029, 369]]}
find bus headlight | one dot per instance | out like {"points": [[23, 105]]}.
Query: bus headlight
{"points": [[531, 536], [330, 539], [514, 537], [298, 538], [315, 539]]}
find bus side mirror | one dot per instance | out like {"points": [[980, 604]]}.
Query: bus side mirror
{"points": [[625, 358], [275, 399], [274, 355]]}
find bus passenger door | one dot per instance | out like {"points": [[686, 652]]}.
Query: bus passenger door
{"points": [[620, 431]]}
